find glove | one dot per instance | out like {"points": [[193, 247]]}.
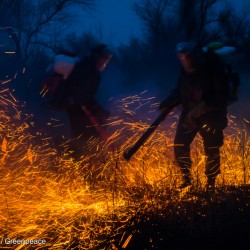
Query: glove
{"points": [[189, 123], [197, 111]]}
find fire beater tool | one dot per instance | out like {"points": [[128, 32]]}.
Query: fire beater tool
{"points": [[130, 152]]}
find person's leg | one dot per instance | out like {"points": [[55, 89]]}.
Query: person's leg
{"points": [[85, 141], [78, 126], [182, 141], [212, 141]]}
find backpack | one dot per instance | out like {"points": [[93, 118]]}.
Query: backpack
{"points": [[54, 86], [227, 57]]}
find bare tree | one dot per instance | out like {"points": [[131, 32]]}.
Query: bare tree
{"points": [[27, 21], [168, 19], [233, 27], [156, 17], [194, 16], [82, 45], [205, 16]]}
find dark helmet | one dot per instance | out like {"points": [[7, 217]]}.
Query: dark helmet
{"points": [[189, 47], [102, 56], [100, 50]]}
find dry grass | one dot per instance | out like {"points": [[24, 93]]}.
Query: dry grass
{"points": [[103, 201]]}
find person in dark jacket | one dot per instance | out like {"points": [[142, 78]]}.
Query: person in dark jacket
{"points": [[84, 112], [203, 91]]}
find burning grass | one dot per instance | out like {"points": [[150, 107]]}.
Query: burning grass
{"points": [[103, 201]]}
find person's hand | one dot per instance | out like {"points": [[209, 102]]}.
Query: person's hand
{"points": [[189, 122], [196, 112], [193, 114]]}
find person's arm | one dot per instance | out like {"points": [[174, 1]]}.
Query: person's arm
{"points": [[173, 100]]}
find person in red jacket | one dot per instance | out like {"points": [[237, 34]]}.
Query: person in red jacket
{"points": [[203, 91]]}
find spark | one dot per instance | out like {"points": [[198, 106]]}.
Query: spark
{"points": [[7, 81], [51, 196], [10, 52]]}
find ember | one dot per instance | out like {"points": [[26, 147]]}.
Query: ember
{"points": [[95, 203]]}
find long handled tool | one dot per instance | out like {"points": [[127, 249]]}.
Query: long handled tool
{"points": [[130, 152]]}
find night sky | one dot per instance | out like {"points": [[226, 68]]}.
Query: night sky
{"points": [[118, 22]]}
